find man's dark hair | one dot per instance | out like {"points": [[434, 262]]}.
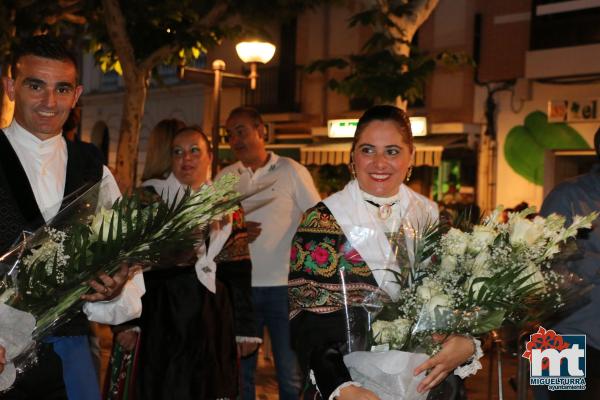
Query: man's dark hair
{"points": [[249, 112], [44, 46]]}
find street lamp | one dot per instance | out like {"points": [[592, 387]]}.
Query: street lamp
{"points": [[251, 52]]}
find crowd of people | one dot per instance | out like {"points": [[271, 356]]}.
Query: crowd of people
{"points": [[282, 262]]}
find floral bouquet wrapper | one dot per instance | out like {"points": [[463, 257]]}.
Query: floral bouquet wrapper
{"points": [[388, 374], [43, 276]]}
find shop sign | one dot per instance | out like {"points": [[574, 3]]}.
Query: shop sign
{"points": [[345, 128], [583, 110]]}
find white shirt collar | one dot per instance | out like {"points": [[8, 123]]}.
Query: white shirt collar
{"points": [[45, 164], [23, 138], [169, 189], [269, 166]]}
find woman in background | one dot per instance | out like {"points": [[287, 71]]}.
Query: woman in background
{"points": [[158, 154], [195, 308]]}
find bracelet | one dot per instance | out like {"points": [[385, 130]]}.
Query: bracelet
{"points": [[472, 365]]}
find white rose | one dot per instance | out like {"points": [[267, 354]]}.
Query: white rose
{"points": [[424, 292], [428, 289], [525, 232], [481, 238], [102, 220], [439, 300], [455, 242], [448, 263], [381, 331], [402, 329], [393, 333]]}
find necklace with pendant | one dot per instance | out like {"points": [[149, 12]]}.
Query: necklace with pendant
{"points": [[384, 210]]}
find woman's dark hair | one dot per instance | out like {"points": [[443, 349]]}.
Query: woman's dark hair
{"points": [[384, 113], [196, 129], [158, 153]]}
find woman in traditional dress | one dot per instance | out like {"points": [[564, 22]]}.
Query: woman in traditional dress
{"points": [[194, 312], [340, 255]]}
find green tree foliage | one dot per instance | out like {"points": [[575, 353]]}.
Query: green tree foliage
{"points": [[388, 66], [135, 36], [23, 18]]}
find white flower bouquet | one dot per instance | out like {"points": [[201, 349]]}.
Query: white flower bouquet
{"points": [[43, 277], [468, 281]]}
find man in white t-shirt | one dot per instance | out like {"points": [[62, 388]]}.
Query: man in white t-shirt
{"points": [[272, 217]]}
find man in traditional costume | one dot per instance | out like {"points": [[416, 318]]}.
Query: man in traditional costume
{"points": [[38, 169]]}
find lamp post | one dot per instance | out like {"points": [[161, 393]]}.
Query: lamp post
{"points": [[249, 52]]}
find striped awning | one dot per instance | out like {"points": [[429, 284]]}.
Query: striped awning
{"points": [[339, 153]]}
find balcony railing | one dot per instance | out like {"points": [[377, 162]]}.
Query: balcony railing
{"points": [[564, 23], [277, 90]]}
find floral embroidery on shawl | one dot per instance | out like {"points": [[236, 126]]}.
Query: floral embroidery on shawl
{"points": [[320, 250], [236, 248]]}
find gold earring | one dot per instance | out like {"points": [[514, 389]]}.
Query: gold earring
{"points": [[409, 173]]}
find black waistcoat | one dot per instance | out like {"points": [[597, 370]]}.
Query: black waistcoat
{"points": [[19, 210]]}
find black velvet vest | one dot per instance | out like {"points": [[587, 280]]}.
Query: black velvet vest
{"points": [[19, 210]]}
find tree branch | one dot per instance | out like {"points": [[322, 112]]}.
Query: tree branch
{"points": [[406, 26], [117, 31], [157, 56], [214, 15]]}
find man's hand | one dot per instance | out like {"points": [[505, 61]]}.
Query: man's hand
{"points": [[107, 288], [127, 339], [356, 393], [246, 348], [253, 229], [2, 359]]}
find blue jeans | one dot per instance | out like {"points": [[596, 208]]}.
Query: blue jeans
{"points": [[271, 309]]}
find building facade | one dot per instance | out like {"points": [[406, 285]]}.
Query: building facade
{"points": [[490, 128]]}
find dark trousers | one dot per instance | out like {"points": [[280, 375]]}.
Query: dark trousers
{"points": [[44, 380]]}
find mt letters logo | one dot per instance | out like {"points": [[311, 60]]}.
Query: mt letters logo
{"points": [[556, 361]]}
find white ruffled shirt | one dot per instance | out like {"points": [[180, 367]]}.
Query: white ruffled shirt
{"points": [[45, 164]]}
